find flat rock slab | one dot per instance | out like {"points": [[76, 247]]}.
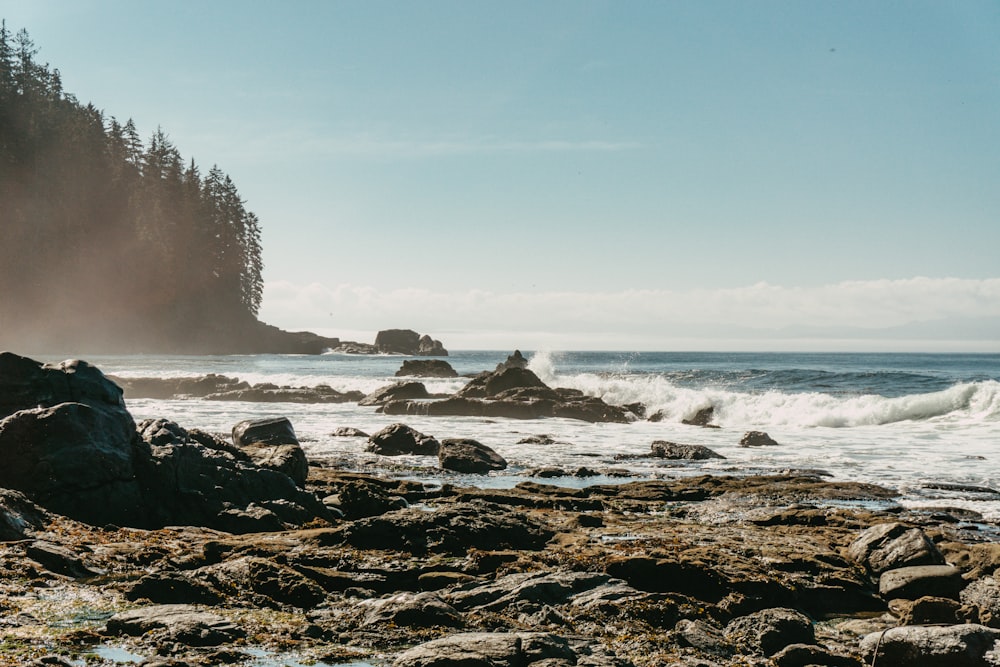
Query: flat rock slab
{"points": [[963, 645], [176, 623], [488, 649], [915, 582]]}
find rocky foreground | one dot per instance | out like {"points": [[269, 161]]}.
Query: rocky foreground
{"points": [[183, 548]]}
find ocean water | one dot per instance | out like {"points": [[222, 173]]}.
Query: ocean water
{"points": [[915, 422]]}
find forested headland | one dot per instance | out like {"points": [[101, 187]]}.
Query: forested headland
{"points": [[109, 243]]}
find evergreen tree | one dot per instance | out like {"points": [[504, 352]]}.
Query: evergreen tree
{"points": [[102, 235]]}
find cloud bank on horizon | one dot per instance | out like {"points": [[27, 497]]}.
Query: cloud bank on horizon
{"points": [[916, 314]]}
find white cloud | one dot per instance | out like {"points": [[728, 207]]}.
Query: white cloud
{"points": [[847, 315]]}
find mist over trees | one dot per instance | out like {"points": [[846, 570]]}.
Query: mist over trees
{"points": [[107, 242]]}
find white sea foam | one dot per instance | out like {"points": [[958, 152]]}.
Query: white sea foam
{"points": [[947, 435], [967, 401]]}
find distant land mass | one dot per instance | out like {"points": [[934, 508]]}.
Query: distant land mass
{"points": [[113, 245]]}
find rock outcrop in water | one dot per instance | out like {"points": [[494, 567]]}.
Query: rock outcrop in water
{"points": [[514, 392]]}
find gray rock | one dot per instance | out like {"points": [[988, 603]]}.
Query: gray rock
{"points": [[515, 360], [272, 444], [349, 432], [702, 636], [701, 418], [411, 610], [892, 545], [919, 580], [931, 646], [407, 341], [803, 655], [469, 456], [769, 631], [552, 588], [927, 610], [431, 368], [488, 649], [274, 431], [74, 459], [400, 439], [287, 459], [449, 530], [398, 391], [250, 519], [984, 595], [672, 450], [173, 588], [757, 439], [59, 559], [18, 515], [490, 385], [263, 582], [175, 623]]}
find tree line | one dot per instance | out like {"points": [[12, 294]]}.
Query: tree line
{"points": [[106, 241]]}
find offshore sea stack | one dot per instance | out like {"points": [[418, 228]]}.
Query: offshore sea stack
{"points": [[406, 341], [513, 391]]}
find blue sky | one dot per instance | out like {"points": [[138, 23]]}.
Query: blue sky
{"points": [[708, 175]]}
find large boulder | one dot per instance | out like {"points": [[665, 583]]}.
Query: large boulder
{"points": [[186, 483], [488, 385], [770, 630], [66, 440], [272, 444], [757, 439], [963, 645], [470, 456], [917, 581], [887, 546], [69, 444], [400, 439]]}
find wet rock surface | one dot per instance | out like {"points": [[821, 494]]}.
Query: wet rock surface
{"points": [[692, 570], [232, 558]]}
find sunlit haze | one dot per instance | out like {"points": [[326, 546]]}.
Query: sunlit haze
{"points": [[583, 175]]}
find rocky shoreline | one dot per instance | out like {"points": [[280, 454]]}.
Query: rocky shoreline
{"points": [[187, 548]]}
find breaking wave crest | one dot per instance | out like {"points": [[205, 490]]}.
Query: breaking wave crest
{"points": [[734, 406]]}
